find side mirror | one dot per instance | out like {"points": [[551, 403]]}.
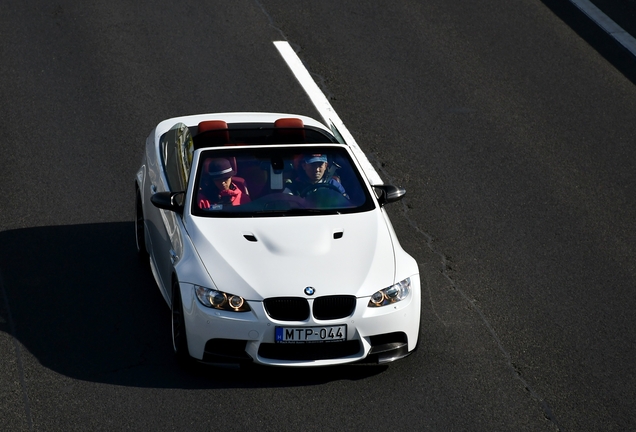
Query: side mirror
{"points": [[172, 201], [388, 193]]}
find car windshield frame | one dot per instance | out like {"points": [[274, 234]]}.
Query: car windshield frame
{"points": [[273, 176]]}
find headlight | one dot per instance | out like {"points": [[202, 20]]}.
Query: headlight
{"points": [[220, 300], [392, 294]]}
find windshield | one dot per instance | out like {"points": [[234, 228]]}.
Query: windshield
{"points": [[277, 181]]}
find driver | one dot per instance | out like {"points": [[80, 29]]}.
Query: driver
{"points": [[219, 189], [312, 173]]}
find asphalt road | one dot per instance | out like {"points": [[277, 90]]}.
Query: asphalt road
{"points": [[512, 133]]}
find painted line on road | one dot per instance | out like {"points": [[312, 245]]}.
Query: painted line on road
{"points": [[324, 108], [607, 24]]}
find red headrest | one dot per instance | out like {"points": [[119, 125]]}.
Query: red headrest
{"points": [[289, 131], [289, 123], [216, 132], [208, 125]]}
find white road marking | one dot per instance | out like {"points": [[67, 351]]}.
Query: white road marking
{"points": [[607, 24], [324, 108]]}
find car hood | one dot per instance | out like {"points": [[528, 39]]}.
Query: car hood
{"points": [[266, 257]]}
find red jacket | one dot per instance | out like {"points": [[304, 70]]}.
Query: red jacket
{"points": [[207, 198]]}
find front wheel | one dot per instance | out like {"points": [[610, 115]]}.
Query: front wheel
{"points": [[179, 337]]}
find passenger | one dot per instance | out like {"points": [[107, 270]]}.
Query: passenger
{"points": [[218, 187], [313, 172]]}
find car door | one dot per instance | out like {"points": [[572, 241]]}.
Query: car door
{"points": [[167, 238]]}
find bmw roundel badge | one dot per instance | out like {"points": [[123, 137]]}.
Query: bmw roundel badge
{"points": [[310, 290]]}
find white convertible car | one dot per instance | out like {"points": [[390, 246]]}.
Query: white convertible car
{"points": [[268, 238]]}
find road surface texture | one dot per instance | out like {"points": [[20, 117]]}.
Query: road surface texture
{"points": [[512, 133]]}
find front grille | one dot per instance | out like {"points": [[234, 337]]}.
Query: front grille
{"points": [[309, 351], [334, 307], [287, 308]]}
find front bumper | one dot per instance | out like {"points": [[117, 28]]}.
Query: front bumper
{"points": [[373, 334]]}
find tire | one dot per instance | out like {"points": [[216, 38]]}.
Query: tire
{"points": [[140, 237], [179, 337]]}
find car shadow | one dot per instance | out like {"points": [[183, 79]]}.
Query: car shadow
{"points": [[80, 301]]}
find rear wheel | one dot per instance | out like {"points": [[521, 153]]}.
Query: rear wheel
{"points": [[140, 237], [179, 338]]}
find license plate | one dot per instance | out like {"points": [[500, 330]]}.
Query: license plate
{"points": [[311, 334]]}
